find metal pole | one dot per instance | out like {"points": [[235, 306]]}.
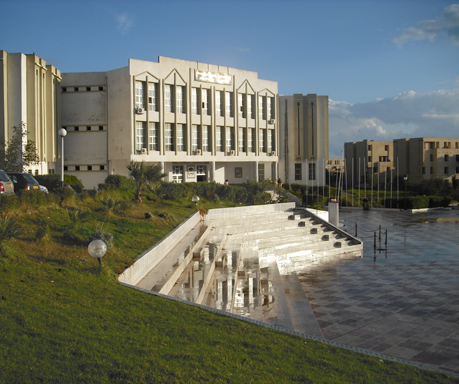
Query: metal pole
{"points": [[386, 239], [355, 229], [62, 161]]}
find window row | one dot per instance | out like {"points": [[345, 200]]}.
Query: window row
{"points": [[92, 88], [85, 128], [299, 171], [84, 168], [147, 96], [176, 138]]}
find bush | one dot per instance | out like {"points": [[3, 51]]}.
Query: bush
{"points": [[8, 202], [33, 198], [119, 181], [8, 228], [53, 182]]}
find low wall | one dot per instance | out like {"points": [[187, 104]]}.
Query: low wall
{"points": [[151, 257], [223, 213]]}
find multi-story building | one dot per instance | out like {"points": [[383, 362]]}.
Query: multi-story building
{"points": [[369, 163], [428, 157], [29, 101], [303, 139], [334, 169], [416, 158], [201, 122]]}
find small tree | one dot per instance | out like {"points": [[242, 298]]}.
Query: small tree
{"points": [[145, 176], [18, 153]]}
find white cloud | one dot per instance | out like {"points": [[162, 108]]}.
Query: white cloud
{"points": [[124, 23], [408, 114], [447, 22]]}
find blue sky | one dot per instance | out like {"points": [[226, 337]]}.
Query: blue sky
{"points": [[390, 68]]}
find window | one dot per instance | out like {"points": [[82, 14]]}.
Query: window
{"points": [[431, 170], [383, 158], [153, 142], [446, 170], [369, 147], [206, 101], [250, 136], [102, 167], [242, 139], [261, 172], [140, 94], [169, 137], [229, 139], [195, 101], [261, 140], [139, 135], [229, 104], [89, 167], [457, 157], [169, 100], [220, 103], [298, 171], [431, 157], [251, 106], [446, 157], [369, 159], [242, 101], [152, 96], [206, 135], [181, 137], [270, 108], [386, 147], [219, 138], [195, 137], [423, 170], [177, 173], [270, 139], [262, 107], [312, 171], [181, 99]]}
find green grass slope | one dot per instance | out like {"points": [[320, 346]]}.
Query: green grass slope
{"points": [[63, 319]]}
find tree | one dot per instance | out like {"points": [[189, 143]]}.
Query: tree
{"points": [[18, 153], [145, 176]]}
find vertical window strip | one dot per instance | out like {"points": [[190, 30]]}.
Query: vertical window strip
{"points": [[194, 137], [219, 138], [139, 135], [206, 138], [169, 100], [229, 104], [139, 94], [152, 97], [181, 137], [180, 99], [168, 137], [153, 141], [195, 101]]}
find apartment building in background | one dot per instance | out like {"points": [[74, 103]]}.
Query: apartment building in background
{"points": [[416, 158], [201, 122], [303, 149], [29, 100]]}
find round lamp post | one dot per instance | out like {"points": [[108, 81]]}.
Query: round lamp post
{"points": [[97, 249], [62, 133], [195, 199]]}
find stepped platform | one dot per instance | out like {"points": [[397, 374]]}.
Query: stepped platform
{"points": [[245, 261]]}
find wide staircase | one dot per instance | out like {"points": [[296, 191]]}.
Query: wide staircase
{"points": [[248, 264]]}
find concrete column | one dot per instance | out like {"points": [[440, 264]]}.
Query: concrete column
{"points": [[333, 213]]}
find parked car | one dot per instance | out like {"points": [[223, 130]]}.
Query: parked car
{"points": [[6, 185], [24, 181]]}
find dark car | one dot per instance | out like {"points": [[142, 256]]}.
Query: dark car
{"points": [[24, 181], [6, 185]]}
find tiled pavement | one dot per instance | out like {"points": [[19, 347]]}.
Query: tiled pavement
{"points": [[402, 301]]}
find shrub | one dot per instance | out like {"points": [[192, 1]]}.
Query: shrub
{"points": [[53, 182], [8, 202], [33, 198], [9, 228], [119, 181]]}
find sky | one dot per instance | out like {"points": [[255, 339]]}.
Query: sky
{"points": [[389, 67]]}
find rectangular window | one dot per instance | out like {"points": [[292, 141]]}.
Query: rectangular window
{"points": [[206, 101], [242, 97], [431, 157], [139, 135], [195, 137], [386, 147], [270, 146], [250, 140], [262, 107], [177, 173], [169, 100], [446, 170], [140, 94], [206, 135], [261, 139], [169, 137], [181, 92], [152, 96], [220, 103], [181, 137], [431, 170], [195, 101], [369, 147], [298, 171], [423, 170], [446, 157], [261, 172], [270, 109], [251, 106], [312, 171], [242, 139], [229, 104], [219, 139], [229, 137], [153, 142]]}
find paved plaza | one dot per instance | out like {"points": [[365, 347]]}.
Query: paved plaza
{"points": [[401, 300]]}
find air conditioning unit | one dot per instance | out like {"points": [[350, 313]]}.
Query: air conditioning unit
{"points": [[143, 151], [272, 121], [233, 152], [198, 152], [139, 110]]}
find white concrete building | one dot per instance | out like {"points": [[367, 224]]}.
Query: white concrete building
{"points": [[303, 145], [29, 98], [202, 122]]}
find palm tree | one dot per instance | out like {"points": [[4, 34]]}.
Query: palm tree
{"points": [[145, 176]]}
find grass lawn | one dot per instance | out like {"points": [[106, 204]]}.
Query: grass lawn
{"points": [[63, 319]]}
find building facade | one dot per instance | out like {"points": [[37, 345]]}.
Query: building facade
{"points": [[303, 139], [201, 122], [29, 100], [426, 158]]}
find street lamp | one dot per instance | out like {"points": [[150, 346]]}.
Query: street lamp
{"points": [[97, 248], [62, 133], [195, 199], [405, 178]]}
